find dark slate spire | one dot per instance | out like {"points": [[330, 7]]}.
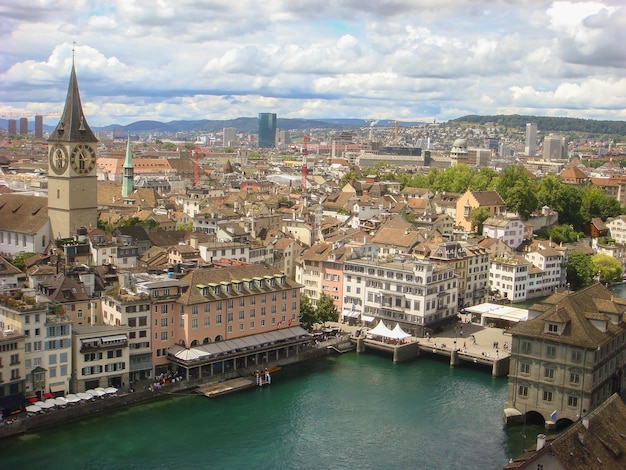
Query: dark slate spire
{"points": [[73, 126]]}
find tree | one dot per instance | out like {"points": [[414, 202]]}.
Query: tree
{"points": [[563, 234], [596, 204], [607, 267], [18, 259], [580, 269], [308, 315], [326, 309], [521, 198], [507, 180], [478, 216]]}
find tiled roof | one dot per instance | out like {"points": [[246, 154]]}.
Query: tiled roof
{"points": [[575, 309], [22, 214], [597, 442]]}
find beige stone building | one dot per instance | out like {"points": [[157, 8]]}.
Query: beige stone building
{"points": [[569, 359]]}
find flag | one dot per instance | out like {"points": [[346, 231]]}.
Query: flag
{"points": [[553, 416]]}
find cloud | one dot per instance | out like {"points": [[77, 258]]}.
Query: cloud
{"points": [[147, 59]]}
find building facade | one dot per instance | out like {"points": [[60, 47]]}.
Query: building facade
{"points": [[570, 358], [267, 130]]}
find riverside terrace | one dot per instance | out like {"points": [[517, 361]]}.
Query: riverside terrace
{"points": [[455, 343]]}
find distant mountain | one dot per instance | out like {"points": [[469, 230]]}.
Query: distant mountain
{"points": [[549, 124], [247, 124]]}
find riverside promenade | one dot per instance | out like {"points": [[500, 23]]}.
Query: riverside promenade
{"points": [[465, 342]]}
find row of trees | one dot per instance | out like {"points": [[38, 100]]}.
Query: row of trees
{"points": [[521, 191], [583, 269]]}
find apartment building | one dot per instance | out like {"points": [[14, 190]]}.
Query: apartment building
{"points": [[570, 358], [125, 308], [420, 295], [508, 277], [46, 345], [100, 357], [12, 372], [512, 231]]}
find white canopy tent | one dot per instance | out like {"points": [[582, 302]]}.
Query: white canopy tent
{"points": [[399, 333], [381, 330]]}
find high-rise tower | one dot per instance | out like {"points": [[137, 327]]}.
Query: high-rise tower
{"points": [[72, 182], [267, 130], [129, 172], [531, 139]]}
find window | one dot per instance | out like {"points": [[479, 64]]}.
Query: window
{"points": [[218, 319], [551, 351], [194, 323], [574, 378], [548, 373], [163, 335], [576, 355], [547, 396], [230, 317], [572, 401], [526, 346], [553, 328], [522, 390], [524, 368]]}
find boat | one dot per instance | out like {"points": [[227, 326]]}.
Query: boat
{"points": [[264, 376]]}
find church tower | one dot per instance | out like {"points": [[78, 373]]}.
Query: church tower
{"points": [[72, 181], [129, 172]]}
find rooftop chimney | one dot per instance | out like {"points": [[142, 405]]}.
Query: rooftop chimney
{"points": [[541, 441]]}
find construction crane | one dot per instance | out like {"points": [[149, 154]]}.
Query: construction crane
{"points": [[196, 165], [305, 152]]}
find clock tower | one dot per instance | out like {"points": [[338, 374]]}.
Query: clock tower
{"points": [[72, 182]]}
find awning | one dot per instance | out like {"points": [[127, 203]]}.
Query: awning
{"points": [[112, 339], [54, 388], [367, 318]]}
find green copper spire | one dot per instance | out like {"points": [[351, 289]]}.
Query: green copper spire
{"points": [[129, 172]]}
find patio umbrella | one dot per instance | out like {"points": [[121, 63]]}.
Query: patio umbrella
{"points": [[33, 409], [45, 405], [110, 390], [72, 398], [84, 396], [60, 401], [33, 399]]}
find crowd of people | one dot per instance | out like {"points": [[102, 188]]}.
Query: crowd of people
{"points": [[165, 378]]}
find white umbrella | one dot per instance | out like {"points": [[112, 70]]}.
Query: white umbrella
{"points": [[91, 392], [98, 393], [38, 403], [84, 396], [110, 390], [72, 398], [33, 408], [47, 404], [60, 401]]}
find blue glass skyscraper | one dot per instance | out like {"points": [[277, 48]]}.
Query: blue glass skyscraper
{"points": [[267, 130]]}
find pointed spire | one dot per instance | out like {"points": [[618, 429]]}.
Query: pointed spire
{"points": [[73, 126], [128, 184]]}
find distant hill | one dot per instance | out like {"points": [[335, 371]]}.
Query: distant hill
{"points": [[549, 124]]}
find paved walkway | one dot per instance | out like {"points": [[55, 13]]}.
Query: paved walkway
{"points": [[485, 338]]}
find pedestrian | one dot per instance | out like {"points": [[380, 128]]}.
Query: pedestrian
{"points": [[464, 346]]}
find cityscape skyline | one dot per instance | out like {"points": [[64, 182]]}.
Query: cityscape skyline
{"points": [[415, 60]]}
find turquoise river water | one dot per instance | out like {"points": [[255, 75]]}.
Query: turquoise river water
{"points": [[341, 412]]}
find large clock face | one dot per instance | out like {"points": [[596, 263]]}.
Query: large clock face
{"points": [[83, 159], [58, 159]]}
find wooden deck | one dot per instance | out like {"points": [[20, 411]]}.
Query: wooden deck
{"points": [[228, 386]]}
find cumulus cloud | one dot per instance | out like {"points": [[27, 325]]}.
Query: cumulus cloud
{"points": [[147, 59]]}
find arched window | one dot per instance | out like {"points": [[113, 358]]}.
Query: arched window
{"points": [[206, 340], [181, 342], [219, 338], [195, 343]]}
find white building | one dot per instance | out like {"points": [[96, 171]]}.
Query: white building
{"points": [[617, 228], [417, 294], [511, 231], [47, 347], [508, 277]]}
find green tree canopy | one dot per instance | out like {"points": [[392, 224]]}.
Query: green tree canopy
{"points": [[478, 216], [596, 204], [308, 316], [609, 269], [326, 310], [580, 269]]}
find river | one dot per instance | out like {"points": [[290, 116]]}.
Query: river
{"points": [[341, 412]]}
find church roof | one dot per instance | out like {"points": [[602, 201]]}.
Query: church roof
{"points": [[73, 126]]}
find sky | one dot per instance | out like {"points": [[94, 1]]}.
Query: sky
{"points": [[411, 60]]}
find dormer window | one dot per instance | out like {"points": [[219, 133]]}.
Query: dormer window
{"points": [[553, 328]]}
